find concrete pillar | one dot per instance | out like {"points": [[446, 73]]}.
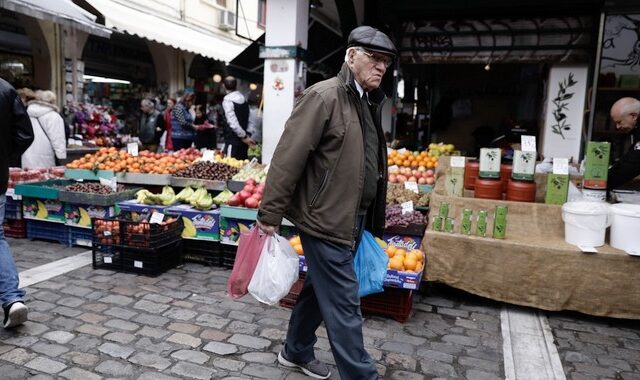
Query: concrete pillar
{"points": [[40, 50], [287, 25]]}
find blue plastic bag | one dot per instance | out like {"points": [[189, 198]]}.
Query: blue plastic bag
{"points": [[370, 265]]}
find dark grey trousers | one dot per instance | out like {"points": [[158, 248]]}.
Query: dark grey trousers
{"points": [[330, 294]]}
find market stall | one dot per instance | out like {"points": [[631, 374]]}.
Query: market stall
{"points": [[533, 265]]}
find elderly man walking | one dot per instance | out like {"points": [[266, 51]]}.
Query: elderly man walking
{"points": [[328, 176], [625, 113]]}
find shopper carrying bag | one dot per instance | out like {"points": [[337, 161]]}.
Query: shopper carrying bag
{"points": [[276, 271], [370, 265]]}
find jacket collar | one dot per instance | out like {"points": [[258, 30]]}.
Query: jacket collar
{"points": [[346, 77]]}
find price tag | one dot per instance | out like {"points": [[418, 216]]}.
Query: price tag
{"points": [[208, 155], [156, 217], [71, 142], [132, 149], [528, 143], [137, 264], [561, 166], [107, 233], [587, 249], [111, 183], [402, 151], [457, 162], [393, 169], [413, 186], [389, 150], [407, 207], [107, 260]]}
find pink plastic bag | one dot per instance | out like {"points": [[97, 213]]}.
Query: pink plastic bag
{"points": [[249, 249]]}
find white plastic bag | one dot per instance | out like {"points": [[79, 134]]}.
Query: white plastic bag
{"points": [[276, 271]]}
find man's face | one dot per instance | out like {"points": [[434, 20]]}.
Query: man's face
{"points": [[368, 67], [624, 122], [144, 108]]}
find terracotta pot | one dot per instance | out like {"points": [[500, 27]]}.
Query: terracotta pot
{"points": [[488, 188], [521, 191], [505, 175], [471, 170]]}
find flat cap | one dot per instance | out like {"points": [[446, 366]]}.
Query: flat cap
{"points": [[371, 39]]}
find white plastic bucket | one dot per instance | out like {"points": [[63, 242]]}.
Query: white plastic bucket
{"points": [[585, 223], [625, 227]]}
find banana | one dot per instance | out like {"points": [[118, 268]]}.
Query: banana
{"points": [[189, 229], [184, 194], [198, 194], [85, 219], [204, 203], [141, 195], [167, 197], [42, 211]]}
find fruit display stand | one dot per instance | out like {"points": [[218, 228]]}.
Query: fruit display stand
{"points": [[533, 266], [43, 210], [88, 175], [193, 182], [201, 234], [143, 179]]}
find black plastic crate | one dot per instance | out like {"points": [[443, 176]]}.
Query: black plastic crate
{"points": [[79, 236], [228, 255], [12, 209], [51, 231], [137, 235], [107, 257], [152, 262], [16, 229], [393, 303], [206, 252]]}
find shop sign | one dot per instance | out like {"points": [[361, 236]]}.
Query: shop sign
{"points": [[281, 52]]}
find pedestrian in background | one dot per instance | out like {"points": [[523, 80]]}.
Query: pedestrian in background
{"points": [[625, 113], [166, 141], [182, 129], [236, 111], [17, 135], [205, 132], [49, 143], [255, 117], [328, 177], [151, 125]]}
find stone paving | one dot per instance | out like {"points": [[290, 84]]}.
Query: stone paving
{"points": [[29, 254], [597, 348]]}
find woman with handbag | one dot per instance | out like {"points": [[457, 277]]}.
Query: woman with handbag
{"points": [[49, 141]]}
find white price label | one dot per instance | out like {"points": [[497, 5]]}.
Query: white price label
{"points": [[107, 260], [137, 264], [528, 143], [402, 151], [407, 207], [587, 249], [457, 162], [208, 155], [393, 169], [71, 142], [156, 217], [107, 233], [389, 150], [111, 183], [413, 186], [132, 149], [561, 166]]}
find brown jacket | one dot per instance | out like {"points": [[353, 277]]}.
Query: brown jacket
{"points": [[317, 172]]}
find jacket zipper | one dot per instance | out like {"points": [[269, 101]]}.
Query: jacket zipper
{"points": [[322, 184], [355, 221]]}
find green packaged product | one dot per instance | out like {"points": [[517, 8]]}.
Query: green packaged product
{"points": [[444, 210], [448, 225], [465, 225], [437, 222], [500, 223], [481, 224]]}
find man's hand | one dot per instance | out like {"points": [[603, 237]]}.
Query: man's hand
{"points": [[266, 228], [247, 140]]}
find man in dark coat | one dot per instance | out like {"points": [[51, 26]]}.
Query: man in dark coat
{"points": [[625, 113], [16, 134]]}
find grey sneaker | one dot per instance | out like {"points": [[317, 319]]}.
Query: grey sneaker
{"points": [[15, 314], [314, 368]]}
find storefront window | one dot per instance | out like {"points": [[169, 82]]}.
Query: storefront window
{"points": [[16, 69]]}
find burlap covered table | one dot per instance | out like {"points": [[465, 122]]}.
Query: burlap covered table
{"points": [[533, 266]]}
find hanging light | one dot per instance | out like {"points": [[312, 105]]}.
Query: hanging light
{"points": [[253, 86], [217, 78]]}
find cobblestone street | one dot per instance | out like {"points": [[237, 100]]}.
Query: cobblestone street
{"points": [[90, 324]]}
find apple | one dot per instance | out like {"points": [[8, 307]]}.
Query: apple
{"points": [[251, 202], [430, 180], [421, 168], [234, 200], [393, 178], [243, 195], [250, 181], [422, 180], [412, 179], [257, 196], [249, 188], [429, 173]]}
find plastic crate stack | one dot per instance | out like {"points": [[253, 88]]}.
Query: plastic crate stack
{"points": [[14, 225], [137, 247]]}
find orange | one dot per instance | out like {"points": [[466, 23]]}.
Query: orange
{"points": [[396, 264], [410, 263], [391, 250], [298, 249], [400, 252]]}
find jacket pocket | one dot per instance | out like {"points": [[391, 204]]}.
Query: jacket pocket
{"points": [[325, 178]]}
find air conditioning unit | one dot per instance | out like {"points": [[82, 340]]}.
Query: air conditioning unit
{"points": [[227, 20]]}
